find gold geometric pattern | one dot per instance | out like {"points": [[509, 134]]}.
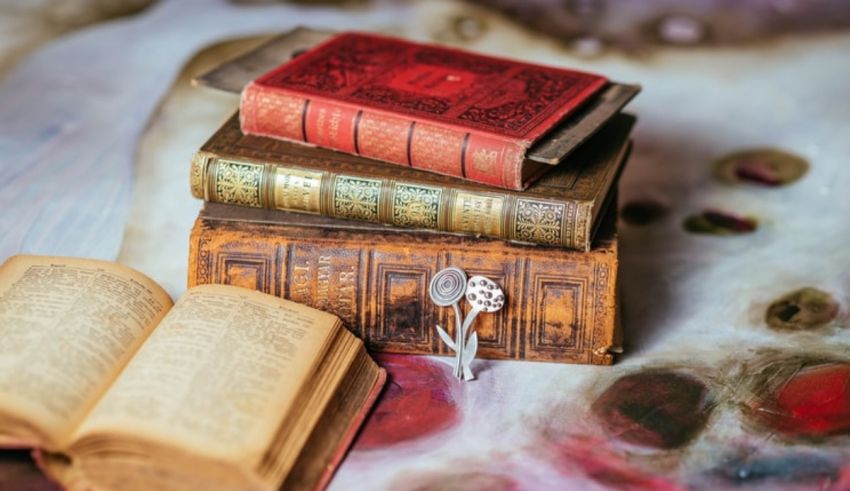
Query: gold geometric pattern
{"points": [[383, 138], [436, 149], [539, 222], [282, 113], [356, 198], [416, 206], [196, 178], [239, 183]]}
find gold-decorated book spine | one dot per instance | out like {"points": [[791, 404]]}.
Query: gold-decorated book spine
{"points": [[396, 202]]}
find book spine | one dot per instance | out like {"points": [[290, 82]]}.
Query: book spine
{"points": [[401, 203], [560, 306], [475, 156]]}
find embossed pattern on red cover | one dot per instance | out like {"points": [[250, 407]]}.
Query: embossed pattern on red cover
{"points": [[437, 109], [441, 85]]}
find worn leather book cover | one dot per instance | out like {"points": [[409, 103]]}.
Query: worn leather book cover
{"points": [[561, 305], [422, 106], [561, 209], [553, 148]]}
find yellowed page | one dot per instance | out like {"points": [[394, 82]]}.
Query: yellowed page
{"points": [[67, 327], [218, 374]]}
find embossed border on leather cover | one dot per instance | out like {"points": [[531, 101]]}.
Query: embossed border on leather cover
{"points": [[561, 304]]}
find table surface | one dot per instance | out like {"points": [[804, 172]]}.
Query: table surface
{"points": [[97, 126]]}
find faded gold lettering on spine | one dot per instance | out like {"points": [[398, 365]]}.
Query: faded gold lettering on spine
{"points": [[326, 281], [333, 127], [297, 190], [323, 282], [478, 214], [346, 293], [299, 285]]}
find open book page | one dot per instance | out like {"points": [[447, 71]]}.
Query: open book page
{"points": [[67, 327], [217, 376]]}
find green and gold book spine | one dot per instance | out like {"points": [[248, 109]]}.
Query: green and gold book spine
{"points": [[562, 209], [386, 200]]}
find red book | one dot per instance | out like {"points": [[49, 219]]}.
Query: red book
{"points": [[432, 108]]}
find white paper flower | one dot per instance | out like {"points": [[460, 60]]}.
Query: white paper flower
{"points": [[448, 286], [484, 294]]}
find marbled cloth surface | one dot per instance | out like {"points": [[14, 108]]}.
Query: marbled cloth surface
{"points": [[736, 371]]}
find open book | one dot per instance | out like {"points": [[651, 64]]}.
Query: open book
{"points": [[119, 389]]}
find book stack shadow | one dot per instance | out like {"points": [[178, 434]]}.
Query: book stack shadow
{"points": [[363, 165]]}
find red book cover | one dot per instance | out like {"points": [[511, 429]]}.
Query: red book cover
{"points": [[433, 108]]}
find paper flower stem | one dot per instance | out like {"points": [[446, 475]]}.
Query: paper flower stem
{"points": [[461, 343], [459, 340]]}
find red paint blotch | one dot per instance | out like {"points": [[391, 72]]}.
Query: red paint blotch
{"points": [[595, 460], [814, 402], [758, 171], [417, 401]]}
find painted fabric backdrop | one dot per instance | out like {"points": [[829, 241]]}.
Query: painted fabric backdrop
{"points": [[735, 267]]}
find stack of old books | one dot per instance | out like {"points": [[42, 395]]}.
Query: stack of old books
{"points": [[363, 165]]}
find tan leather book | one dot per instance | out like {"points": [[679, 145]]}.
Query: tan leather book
{"points": [[561, 209], [560, 306]]}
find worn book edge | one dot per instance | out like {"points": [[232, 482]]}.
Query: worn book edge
{"points": [[225, 236], [353, 430]]}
